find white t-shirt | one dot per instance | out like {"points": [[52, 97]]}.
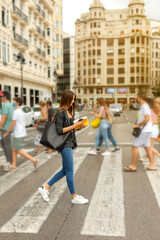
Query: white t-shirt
{"points": [[19, 128], [144, 110]]}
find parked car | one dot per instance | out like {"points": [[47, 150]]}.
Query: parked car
{"points": [[115, 109], [37, 112], [134, 106], [56, 107], [29, 115]]}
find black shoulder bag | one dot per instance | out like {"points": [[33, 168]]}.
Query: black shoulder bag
{"points": [[50, 137], [137, 131]]}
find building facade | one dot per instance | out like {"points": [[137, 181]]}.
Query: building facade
{"points": [[28, 27], [67, 81], [155, 53], [113, 53]]}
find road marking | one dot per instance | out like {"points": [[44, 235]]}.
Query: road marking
{"points": [[106, 214], [34, 213], [154, 177], [9, 179], [3, 159], [92, 144]]}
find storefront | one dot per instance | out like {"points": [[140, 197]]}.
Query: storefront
{"points": [[122, 100]]}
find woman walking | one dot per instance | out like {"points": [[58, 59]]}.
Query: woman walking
{"points": [[102, 131], [42, 118], [64, 123], [18, 123]]}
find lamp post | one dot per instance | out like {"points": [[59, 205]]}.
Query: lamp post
{"points": [[56, 76], [21, 59]]}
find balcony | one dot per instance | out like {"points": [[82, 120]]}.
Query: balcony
{"points": [[19, 41], [18, 14], [39, 10]]}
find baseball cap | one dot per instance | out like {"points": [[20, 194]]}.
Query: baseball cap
{"points": [[1, 93]]}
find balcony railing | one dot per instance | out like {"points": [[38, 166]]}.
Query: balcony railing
{"points": [[40, 52], [20, 39], [38, 29], [17, 11], [40, 10]]}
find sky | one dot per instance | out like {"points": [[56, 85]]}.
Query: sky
{"points": [[72, 9]]}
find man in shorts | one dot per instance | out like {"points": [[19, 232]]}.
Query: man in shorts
{"points": [[145, 123]]}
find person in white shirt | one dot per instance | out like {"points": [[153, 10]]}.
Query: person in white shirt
{"points": [[19, 132], [144, 122]]}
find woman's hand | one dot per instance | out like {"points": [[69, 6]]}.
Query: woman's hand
{"points": [[35, 125], [78, 124], [5, 135], [135, 126]]}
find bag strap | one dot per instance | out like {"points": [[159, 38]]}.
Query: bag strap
{"points": [[143, 125]]}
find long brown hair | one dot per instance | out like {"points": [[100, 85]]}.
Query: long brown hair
{"points": [[152, 104], [65, 103], [102, 102]]}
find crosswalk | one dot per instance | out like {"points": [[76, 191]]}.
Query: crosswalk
{"points": [[105, 215]]}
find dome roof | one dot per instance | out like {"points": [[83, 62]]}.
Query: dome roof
{"points": [[96, 4], [131, 2]]}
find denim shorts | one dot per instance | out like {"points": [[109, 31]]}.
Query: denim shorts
{"points": [[17, 143]]}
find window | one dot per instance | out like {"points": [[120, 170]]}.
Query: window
{"points": [[35, 66], [121, 51], [48, 31], [121, 61], [121, 80], [98, 70], [132, 60], [98, 52], [95, 14], [4, 53], [99, 42], [3, 17], [57, 24], [94, 61], [30, 39], [35, 42], [132, 40], [110, 71], [95, 24], [8, 50], [30, 64], [57, 10], [57, 37], [132, 79], [110, 80], [132, 90], [121, 41], [49, 72], [110, 61], [110, 42], [57, 52], [110, 52], [132, 70], [100, 14], [121, 70], [49, 50], [137, 21]]}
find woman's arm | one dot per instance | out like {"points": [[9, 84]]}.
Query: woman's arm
{"points": [[99, 115], [44, 118]]}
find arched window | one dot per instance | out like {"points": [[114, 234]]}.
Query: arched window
{"points": [[122, 33]]}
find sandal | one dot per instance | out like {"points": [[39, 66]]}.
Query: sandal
{"points": [[150, 169], [128, 169]]}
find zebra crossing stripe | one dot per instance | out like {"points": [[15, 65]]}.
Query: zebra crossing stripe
{"points": [[153, 176], [34, 213], [106, 214], [10, 179]]}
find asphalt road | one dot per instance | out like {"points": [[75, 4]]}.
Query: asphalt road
{"points": [[122, 205]]}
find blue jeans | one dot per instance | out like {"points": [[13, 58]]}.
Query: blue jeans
{"points": [[67, 170], [110, 136], [102, 133]]}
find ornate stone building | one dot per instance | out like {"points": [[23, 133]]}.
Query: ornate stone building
{"points": [[29, 27], [113, 53]]}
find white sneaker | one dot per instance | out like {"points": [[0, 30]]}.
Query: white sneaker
{"points": [[92, 152], [79, 200], [6, 164], [44, 193], [106, 153]]}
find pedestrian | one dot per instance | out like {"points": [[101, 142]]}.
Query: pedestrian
{"points": [[145, 123], [155, 129], [50, 118], [157, 101], [19, 132], [110, 136], [64, 121], [6, 119], [42, 118], [105, 117]]}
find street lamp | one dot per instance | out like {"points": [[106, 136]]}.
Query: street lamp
{"points": [[21, 59]]}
